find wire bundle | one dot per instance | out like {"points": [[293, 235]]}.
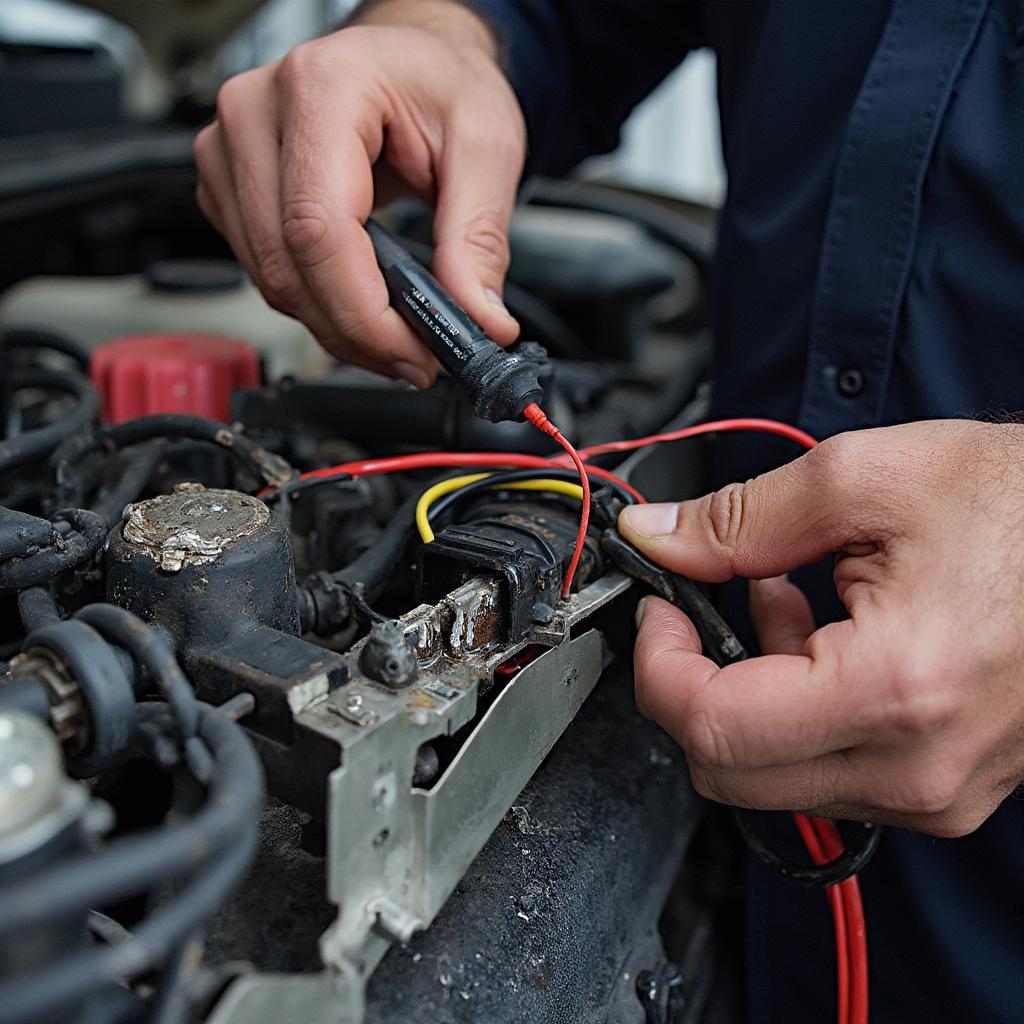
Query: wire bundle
{"points": [[820, 836]]}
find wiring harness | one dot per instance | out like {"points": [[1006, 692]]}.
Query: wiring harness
{"points": [[834, 866], [203, 743]]}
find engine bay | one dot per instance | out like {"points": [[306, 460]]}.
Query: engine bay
{"points": [[301, 726]]}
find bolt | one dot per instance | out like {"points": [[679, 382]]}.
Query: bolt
{"points": [[354, 702]]}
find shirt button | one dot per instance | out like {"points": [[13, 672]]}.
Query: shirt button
{"points": [[850, 382]]}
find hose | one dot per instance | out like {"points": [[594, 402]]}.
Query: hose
{"points": [[20, 531], [152, 653], [267, 466], [38, 339], [87, 536], [136, 863], [219, 843], [132, 481], [39, 443], [37, 608]]}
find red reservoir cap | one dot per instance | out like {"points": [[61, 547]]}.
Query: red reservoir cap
{"points": [[185, 373]]}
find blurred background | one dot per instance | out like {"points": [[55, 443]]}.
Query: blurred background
{"points": [[138, 59]]}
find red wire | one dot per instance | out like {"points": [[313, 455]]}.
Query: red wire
{"points": [[713, 427], [856, 926], [535, 415], [835, 899], [427, 460]]}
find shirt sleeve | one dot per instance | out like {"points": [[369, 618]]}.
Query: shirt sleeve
{"points": [[580, 66]]}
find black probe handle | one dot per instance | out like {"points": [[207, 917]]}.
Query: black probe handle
{"points": [[437, 319], [500, 383]]}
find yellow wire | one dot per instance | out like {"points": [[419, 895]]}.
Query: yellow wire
{"points": [[439, 490]]}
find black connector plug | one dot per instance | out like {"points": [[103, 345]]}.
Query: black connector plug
{"points": [[501, 384]]}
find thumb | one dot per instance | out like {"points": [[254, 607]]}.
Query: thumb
{"points": [[477, 190], [767, 526]]}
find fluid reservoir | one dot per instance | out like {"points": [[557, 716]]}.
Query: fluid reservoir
{"points": [[195, 296]]}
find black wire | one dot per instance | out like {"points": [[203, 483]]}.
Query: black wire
{"points": [[153, 654], [37, 339], [265, 465], [171, 1003], [38, 443], [235, 797], [858, 852], [87, 536], [131, 481], [375, 566], [137, 862], [447, 501], [37, 608]]}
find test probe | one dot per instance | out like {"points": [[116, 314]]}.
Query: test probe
{"points": [[501, 384]]}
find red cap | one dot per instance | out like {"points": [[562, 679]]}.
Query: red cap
{"points": [[186, 373]]}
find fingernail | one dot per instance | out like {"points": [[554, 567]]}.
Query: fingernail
{"points": [[496, 301], [654, 520], [415, 375], [638, 615]]}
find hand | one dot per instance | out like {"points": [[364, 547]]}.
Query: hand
{"points": [[303, 149], [911, 712]]}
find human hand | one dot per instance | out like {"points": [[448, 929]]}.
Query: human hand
{"points": [[909, 713], [411, 101]]}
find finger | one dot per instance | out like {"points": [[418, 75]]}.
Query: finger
{"points": [[779, 709], [209, 208], [782, 615], [326, 197], [247, 116], [477, 188], [794, 515], [216, 193], [810, 786], [887, 785], [217, 197]]}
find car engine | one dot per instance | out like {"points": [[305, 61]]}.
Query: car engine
{"points": [[283, 739]]}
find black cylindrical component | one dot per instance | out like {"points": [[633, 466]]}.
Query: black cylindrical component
{"points": [[204, 564], [388, 657], [501, 384]]}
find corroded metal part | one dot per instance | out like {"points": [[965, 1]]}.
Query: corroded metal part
{"points": [[396, 850], [193, 525]]}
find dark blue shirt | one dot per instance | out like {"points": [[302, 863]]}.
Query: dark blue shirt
{"points": [[870, 271]]}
